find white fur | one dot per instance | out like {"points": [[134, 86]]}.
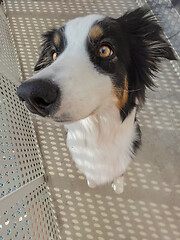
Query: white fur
{"points": [[101, 145]]}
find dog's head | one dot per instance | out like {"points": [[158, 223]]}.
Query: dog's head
{"points": [[95, 60]]}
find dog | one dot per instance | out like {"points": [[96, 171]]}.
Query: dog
{"points": [[94, 72]]}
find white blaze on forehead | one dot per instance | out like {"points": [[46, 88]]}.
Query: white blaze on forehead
{"points": [[83, 88], [76, 30]]}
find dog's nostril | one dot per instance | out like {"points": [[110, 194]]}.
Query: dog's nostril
{"points": [[41, 102], [21, 99]]}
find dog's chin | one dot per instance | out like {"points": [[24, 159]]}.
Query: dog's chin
{"points": [[63, 120], [68, 119]]}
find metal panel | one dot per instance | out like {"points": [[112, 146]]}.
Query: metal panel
{"points": [[26, 210], [8, 60], [27, 214], [169, 19], [20, 159]]}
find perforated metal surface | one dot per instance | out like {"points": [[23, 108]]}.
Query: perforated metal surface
{"points": [[26, 211], [8, 60], [169, 18], [25, 207], [149, 208], [20, 159], [28, 215]]}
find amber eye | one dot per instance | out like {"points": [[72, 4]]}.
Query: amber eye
{"points": [[54, 56], [105, 51]]}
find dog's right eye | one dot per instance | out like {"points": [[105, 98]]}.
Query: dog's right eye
{"points": [[54, 56], [105, 51]]}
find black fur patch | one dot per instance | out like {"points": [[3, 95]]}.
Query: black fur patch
{"points": [[49, 47], [147, 46], [138, 46], [137, 142]]}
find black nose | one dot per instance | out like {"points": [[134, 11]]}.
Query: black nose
{"points": [[40, 96]]}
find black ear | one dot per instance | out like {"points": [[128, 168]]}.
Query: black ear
{"points": [[45, 57], [148, 47]]}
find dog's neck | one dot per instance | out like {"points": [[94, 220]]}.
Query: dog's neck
{"points": [[104, 126]]}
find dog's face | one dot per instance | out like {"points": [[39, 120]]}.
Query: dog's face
{"points": [[93, 61]]}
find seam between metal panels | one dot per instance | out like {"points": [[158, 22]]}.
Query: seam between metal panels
{"points": [[7, 200]]}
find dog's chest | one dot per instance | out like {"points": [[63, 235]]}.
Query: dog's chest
{"points": [[102, 146]]}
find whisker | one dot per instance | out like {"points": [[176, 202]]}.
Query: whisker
{"points": [[124, 112], [133, 90]]}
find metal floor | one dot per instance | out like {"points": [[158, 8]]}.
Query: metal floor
{"points": [[149, 208]]}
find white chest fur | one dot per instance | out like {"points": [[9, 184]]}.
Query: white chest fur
{"points": [[101, 145]]}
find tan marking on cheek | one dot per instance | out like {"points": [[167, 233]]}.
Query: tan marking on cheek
{"points": [[95, 32], [57, 40], [125, 93], [121, 95]]}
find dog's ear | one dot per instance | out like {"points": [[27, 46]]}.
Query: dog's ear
{"points": [[48, 47], [148, 47]]}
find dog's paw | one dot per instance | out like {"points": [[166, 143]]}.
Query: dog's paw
{"points": [[91, 183], [118, 185]]}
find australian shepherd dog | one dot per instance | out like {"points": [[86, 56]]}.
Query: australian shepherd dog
{"points": [[94, 72]]}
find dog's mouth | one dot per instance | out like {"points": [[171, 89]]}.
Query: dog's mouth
{"points": [[66, 118], [34, 110]]}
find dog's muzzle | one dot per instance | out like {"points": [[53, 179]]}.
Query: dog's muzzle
{"points": [[41, 96]]}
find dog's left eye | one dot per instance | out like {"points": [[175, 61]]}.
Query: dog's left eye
{"points": [[105, 51], [54, 56]]}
